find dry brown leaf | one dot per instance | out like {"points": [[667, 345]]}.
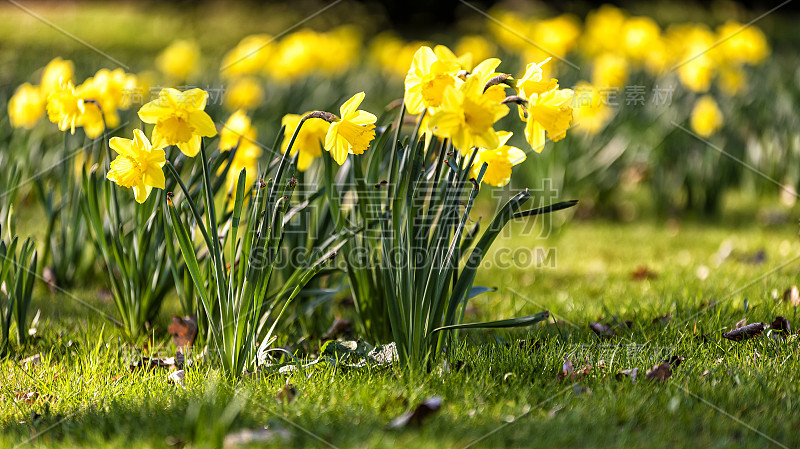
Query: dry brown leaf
{"points": [[792, 296], [632, 373], [660, 372], [643, 273], [745, 332], [183, 330], [178, 378], [287, 394], [781, 327], [740, 323], [415, 417]]}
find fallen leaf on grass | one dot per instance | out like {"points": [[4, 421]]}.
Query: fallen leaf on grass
{"points": [[628, 372], [609, 329], [643, 273], [34, 360], [674, 361], [178, 378], [183, 330], [781, 327], [740, 323], [659, 372], [792, 296], [568, 371], [287, 394], [745, 332], [415, 417]]}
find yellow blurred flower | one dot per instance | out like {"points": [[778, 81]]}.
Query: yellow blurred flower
{"points": [[732, 79], [56, 73], [591, 112], [352, 133], [499, 161], [555, 37], [244, 93], [68, 109], [138, 165], [427, 79], [602, 30], [309, 141], [180, 60], [742, 44], [476, 45], [706, 117], [246, 158], [610, 70], [697, 73], [237, 127], [338, 49], [116, 87], [180, 119], [639, 36], [295, 56], [250, 56], [26, 106], [467, 117], [509, 29]]}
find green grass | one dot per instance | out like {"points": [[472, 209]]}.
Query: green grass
{"points": [[505, 393]]}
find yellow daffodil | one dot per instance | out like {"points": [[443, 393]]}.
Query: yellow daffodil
{"points": [[26, 106], [443, 53], [309, 140], [532, 82], [548, 112], [249, 57], [591, 112], [55, 74], [67, 108], [602, 30], [475, 45], [180, 60], [499, 161], [610, 70], [237, 127], [732, 79], [352, 133], [244, 93], [706, 117], [246, 158], [116, 87], [555, 37], [742, 44], [427, 79], [639, 36], [180, 119], [467, 117], [138, 165]]}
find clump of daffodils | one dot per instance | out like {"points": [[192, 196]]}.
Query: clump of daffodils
{"points": [[92, 105], [463, 104]]}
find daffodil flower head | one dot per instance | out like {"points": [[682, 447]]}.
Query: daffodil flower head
{"points": [[26, 106], [246, 158], [138, 165], [498, 161], [65, 107], [237, 127], [467, 116], [427, 80], [309, 141], [550, 112], [532, 83], [180, 119], [706, 117], [352, 133]]}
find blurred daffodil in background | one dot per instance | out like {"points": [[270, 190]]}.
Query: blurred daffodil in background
{"points": [[706, 117], [309, 141], [180, 60]]}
